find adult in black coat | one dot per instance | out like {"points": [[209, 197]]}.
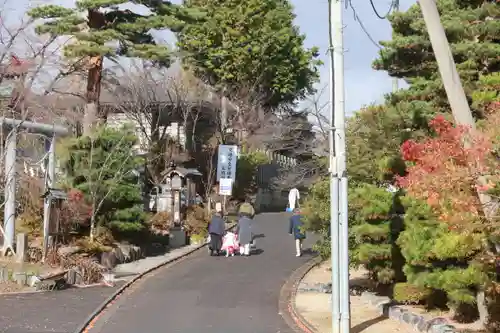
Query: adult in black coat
{"points": [[216, 229]]}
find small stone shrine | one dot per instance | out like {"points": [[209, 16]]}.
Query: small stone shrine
{"points": [[182, 183]]}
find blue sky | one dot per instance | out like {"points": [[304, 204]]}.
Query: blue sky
{"points": [[363, 85]]}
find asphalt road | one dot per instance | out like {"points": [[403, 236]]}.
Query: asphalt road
{"points": [[213, 294]]}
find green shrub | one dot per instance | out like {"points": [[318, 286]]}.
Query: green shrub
{"points": [[375, 225], [323, 245], [439, 258], [197, 221], [92, 247], [197, 238], [246, 173], [407, 293]]}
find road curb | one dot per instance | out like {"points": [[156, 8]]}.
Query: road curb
{"points": [[108, 302], [287, 298], [383, 304], [386, 307]]}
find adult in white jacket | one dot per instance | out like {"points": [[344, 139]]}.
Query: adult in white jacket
{"points": [[293, 198]]}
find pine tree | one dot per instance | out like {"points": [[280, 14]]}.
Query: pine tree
{"points": [[438, 259], [376, 222], [104, 167], [472, 30], [100, 28], [445, 242], [375, 133], [294, 136], [445, 238]]}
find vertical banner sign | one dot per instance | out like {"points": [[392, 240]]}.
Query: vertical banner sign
{"points": [[226, 162], [226, 186]]}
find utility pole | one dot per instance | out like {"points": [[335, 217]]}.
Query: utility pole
{"points": [[447, 68], [341, 321], [453, 86], [395, 81], [334, 184], [340, 156]]}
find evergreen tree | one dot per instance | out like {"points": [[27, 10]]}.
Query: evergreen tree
{"points": [[293, 136], [250, 47], [374, 134], [472, 30], [316, 210], [104, 167], [104, 29], [438, 259], [247, 173], [446, 239], [375, 223]]}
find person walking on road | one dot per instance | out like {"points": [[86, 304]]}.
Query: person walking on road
{"points": [[216, 230], [296, 229], [293, 199], [246, 209], [244, 232]]}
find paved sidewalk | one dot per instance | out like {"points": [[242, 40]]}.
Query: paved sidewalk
{"points": [[54, 311], [315, 307], [65, 310], [142, 265]]}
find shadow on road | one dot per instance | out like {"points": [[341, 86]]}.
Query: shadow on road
{"points": [[309, 253], [259, 236], [364, 325], [256, 252]]}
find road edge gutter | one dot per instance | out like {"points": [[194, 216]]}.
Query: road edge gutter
{"points": [[108, 302], [287, 306]]}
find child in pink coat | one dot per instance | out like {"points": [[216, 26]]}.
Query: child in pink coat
{"points": [[230, 243]]}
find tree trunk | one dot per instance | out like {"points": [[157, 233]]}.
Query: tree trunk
{"points": [[489, 204], [93, 221], [93, 114], [482, 308], [89, 118], [92, 228]]}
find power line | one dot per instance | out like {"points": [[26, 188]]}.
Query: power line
{"points": [[358, 19], [383, 17]]}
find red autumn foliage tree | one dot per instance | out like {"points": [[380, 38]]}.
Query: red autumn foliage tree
{"points": [[443, 172]]}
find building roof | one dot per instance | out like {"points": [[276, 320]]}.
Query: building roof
{"points": [[140, 85], [172, 86], [184, 172]]}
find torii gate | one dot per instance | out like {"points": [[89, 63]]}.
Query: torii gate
{"points": [[51, 132]]}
